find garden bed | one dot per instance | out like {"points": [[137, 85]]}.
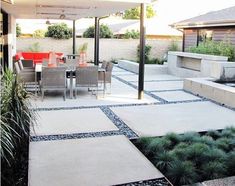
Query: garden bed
{"points": [[192, 157]]}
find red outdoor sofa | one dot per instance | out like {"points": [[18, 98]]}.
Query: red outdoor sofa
{"points": [[37, 57]]}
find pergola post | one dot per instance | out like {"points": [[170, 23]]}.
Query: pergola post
{"points": [[96, 47], [74, 38], [142, 51]]}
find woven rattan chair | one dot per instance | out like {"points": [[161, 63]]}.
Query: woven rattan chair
{"points": [[87, 77], [53, 78], [108, 74], [28, 77], [25, 68]]}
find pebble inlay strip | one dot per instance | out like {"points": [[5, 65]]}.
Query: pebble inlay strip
{"points": [[123, 128], [74, 136], [152, 182]]}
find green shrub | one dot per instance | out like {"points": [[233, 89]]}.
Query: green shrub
{"points": [[18, 30], [157, 145], [16, 119], [131, 34], [195, 152], [208, 140], [173, 138], [190, 137], [39, 33], [163, 160], [143, 142], [147, 52], [230, 163], [226, 144], [214, 154], [105, 32], [212, 170], [227, 133], [215, 48], [173, 46], [35, 47], [180, 151], [214, 134], [59, 31], [182, 173]]}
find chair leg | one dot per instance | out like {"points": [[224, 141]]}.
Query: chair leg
{"points": [[64, 95], [42, 94]]}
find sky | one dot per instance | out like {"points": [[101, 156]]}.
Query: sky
{"points": [[168, 12]]}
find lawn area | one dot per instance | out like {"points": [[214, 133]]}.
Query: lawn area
{"points": [[192, 157]]}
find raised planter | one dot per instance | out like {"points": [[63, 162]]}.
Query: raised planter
{"points": [[209, 89], [149, 68], [186, 65]]}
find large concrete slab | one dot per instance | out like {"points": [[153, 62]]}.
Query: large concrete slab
{"points": [[72, 121], [157, 120], [163, 85], [120, 94], [88, 162], [161, 77], [176, 96]]}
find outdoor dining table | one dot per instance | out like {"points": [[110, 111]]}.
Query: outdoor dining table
{"points": [[71, 68]]}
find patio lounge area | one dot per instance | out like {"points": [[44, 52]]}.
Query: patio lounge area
{"points": [[91, 135]]}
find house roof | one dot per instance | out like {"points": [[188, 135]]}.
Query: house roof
{"points": [[224, 17], [154, 26]]}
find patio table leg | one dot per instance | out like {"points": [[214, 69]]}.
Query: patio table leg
{"points": [[71, 85]]}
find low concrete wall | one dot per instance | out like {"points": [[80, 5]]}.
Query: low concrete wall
{"points": [[209, 89], [149, 68], [200, 65], [109, 48]]}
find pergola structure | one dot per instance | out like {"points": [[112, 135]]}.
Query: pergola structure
{"points": [[69, 10]]}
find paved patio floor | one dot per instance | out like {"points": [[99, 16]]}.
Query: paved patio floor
{"points": [[85, 141]]}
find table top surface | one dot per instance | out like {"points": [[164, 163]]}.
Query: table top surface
{"points": [[70, 67]]}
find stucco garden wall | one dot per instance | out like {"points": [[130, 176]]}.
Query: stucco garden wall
{"points": [[109, 48]]}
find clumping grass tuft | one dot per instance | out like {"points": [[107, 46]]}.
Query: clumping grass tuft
{"points": [[163, 160], [191, 157], [157, 145], [230, 163], [190, 137], [174, 138], [213, 169], [182, 173]]}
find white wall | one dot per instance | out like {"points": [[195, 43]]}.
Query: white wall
{"points": [[109, 48], [11, 39]]}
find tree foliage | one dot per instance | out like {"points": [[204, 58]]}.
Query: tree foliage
{"points": [[105, 32], [59, 31], [131, 34], [39, 33], [18, 30], [134, 13]]}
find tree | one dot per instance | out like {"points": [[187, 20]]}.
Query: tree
{"points": [[134, 13], [39, 33], [59, 31], [133, 34], [18, 30], [105, 32]]}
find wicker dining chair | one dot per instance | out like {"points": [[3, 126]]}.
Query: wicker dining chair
{"points": [[25, 68], [87, 77], [108, 74], [24, 76], [53, 78]]}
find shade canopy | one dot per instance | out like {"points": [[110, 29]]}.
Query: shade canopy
{"points": [[67, 9]]}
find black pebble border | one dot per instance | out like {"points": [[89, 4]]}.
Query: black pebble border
{"points": [[152, 182], [74, 136], [123, 128]]}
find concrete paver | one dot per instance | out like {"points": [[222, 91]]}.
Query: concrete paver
{"points": [[157, 120], [95, 161], [176, 96], [72, 121]]}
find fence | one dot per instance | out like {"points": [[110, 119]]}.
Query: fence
{"points": [[109, 48]]}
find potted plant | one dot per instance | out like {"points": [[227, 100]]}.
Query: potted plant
{"points": [[83, 54]]}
